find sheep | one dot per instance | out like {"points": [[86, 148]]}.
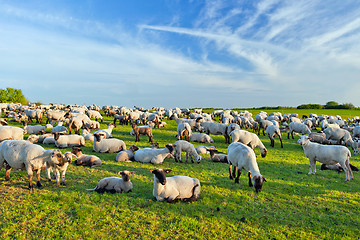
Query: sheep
{"points": [[142, 131], [272, 131], [249, 139], [57, 169], [108, 145], [34, 114], [204, 149], [85, 160], [174, 188], [87, 135], [115, 184], [55, 115], [49, 140], [201, 137], [3, 122], [184, 130], [10, 132], [263, 124], [340, 135], [20, 154], [94, 114], [355, 146], [328, 154], [194, 123], [107, 132], [184, 146], [152, 155], [297, 127], [337, 167], [123, 119], [232, 127], [64, 141], [217, 157], [128, 155], [215, 129], [243, 157], [60, 128], [33, 129], [319, 137]]}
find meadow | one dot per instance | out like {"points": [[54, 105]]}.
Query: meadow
{"points": [[291, 205]]}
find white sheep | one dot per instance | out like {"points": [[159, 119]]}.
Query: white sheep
{"points": [[249, 139], [328, 154], [10, 132], [152, 155], [204, 149], [20, 154], [184, 130], [60, 128], [174, 188], [184, 146], [215, 129], [232, 127], [128, 155], [33, 129], [299, 128], [217, 157], [106, 132], [110, 145], [115, 184], [87, 135], [272, 131], [65, 141], [201, 137], [339, 134], [59, 168], [242, 157], [85, 160], [49, 140]]}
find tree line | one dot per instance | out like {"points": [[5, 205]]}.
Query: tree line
{"points": [[12, 95]]}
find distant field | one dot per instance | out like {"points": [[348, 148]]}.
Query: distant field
{"points": [[292, 205]]}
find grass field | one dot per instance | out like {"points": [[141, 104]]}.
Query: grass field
{"points": [[292, 205]]}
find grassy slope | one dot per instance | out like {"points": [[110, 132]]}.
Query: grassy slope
{"points": [[291, 205]]}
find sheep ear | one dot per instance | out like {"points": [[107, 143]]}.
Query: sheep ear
{"points": [[121, 172], [152, 171], [264, 179]]}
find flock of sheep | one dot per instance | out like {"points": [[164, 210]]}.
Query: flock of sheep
{"points": [[239, 129]]}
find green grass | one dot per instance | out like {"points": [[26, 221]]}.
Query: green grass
{"points": [[291, 205]]}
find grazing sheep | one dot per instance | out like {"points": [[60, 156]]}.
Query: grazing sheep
{"points": [[340, 135], [85, 160], [174, 188], [184, 130], [115, 184], [10, 132], [242, 157], [232, 127], [106, 132], [142, 131], [184, 146], [201, 137], [94, 114], [20, 154], [249, 139], [128, 155], [34, 114], [215, 129], [56, 115], [218, 157], [263, 124], [299, 128], [153, 155], [65, 141], [272, 131], [328, 154], [194, 123], [204, 149], [108, 145], [59, 168]]}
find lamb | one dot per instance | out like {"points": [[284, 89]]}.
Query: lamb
{"points": [[243, 157], [204, 149], [218, 157], [60, 128], [142, 131], [201, 137], [272, 131], [299, 128], [128, 155], [328, 154], [59, 168], [174, 188], [184, 146], [340, 135], [107, 132], [184, 130], [215, 129], [87, 135], [115, 184], [249, 139], [33, 129], [154, 156], [10, 132], [85, 160], [108, 145], [337, 167], [20, 154], [65, 141]]}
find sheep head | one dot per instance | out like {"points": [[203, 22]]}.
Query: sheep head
{"points": [[160, 174]]}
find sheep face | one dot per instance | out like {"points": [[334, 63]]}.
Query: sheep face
{"points": [[133, 148], [160, 174], [68, 157], [198, 159], [263, 152], [57, 158], [126, 175], [258, 182], [155, 145], [170, 147]]}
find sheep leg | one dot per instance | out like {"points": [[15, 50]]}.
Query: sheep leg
{"points": [[38, 184], [230, 171], [63, 177], [150, 138], [7, 174], [57, 176], [250, 182], [292, 134], [172, 200], [238, 175], [48, 173], [281, 142], [312, 163]]}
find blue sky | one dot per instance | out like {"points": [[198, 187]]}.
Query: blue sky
{"points": [[182, 53]]}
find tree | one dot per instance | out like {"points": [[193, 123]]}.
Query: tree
{"points": [[12, 95], [331, 104]]}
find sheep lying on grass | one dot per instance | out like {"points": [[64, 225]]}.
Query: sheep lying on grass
{"points": [[10, 132], [243, 157], [174, 188], [204, 149], [85, 160], [115, 184], [218, 157], [328, 154], [65, 141], [152, 155], [337, 167], [128, 155], [110, 145], [20, 154]]}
